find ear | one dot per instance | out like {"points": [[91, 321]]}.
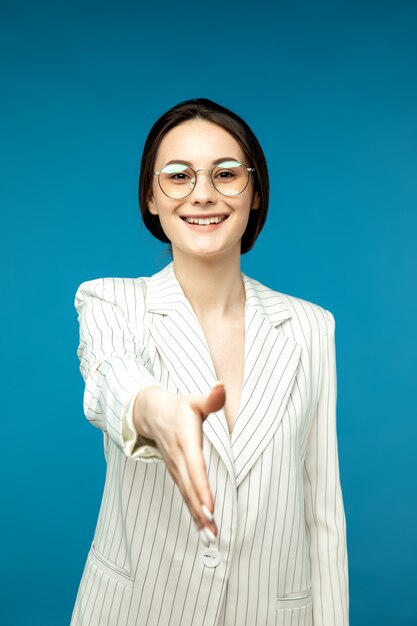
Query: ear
{"points": [[256, 201], [152, 206]]}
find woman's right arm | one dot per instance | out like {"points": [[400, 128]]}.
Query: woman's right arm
{"points": [[113, 364], [123, 399]]}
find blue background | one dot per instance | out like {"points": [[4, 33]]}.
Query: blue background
{"points": [[331, 91]]}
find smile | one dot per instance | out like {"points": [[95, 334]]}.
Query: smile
{"points": [[205, 221]]}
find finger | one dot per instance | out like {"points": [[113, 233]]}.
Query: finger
{"points": [[214, 401], [178, 470], [182, 470], [197, 473], [188, 492]]}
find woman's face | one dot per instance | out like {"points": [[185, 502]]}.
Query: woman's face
{"points": [[202, 145]]}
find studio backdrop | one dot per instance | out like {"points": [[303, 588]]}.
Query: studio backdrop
{"points": [[330, 90]]}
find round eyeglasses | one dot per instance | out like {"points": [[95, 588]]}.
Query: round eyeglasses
{"points": [[177, 180]]}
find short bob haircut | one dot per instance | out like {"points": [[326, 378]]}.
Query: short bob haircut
{"points": [[201, 108]]}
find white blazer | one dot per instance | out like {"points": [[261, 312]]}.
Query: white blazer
{"points": [[280, 556]]}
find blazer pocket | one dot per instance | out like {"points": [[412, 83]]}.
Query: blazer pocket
{"points": [[110, 569], [295, 600]]}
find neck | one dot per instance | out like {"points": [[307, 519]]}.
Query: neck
{"points": [[212, 286]]}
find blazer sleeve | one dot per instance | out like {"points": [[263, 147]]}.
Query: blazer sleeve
{"points": [[113, 363], [325, 514]]}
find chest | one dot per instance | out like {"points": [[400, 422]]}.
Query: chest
{"points": [[226, 343], [257, 362]]}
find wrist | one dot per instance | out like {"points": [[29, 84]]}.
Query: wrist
{"points": [[144, 406]]}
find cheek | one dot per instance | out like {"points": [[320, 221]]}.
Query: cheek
{"points": [[245, 206]]}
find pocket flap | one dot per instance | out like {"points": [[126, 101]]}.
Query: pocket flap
{"points": [[110, 569], [295, 599]]}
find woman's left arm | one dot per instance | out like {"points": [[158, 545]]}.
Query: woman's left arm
{"points": [[325, 514]]}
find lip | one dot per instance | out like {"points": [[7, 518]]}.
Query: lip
{"points": [[204, 227], [204, 215]]}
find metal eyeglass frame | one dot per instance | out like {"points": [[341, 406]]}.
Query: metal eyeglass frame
{"points": [[250, 169]]}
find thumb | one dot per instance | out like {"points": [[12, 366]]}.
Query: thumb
{"points": [[215, 399]]}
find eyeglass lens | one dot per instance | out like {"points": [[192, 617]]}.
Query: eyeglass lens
{"points": [[177, 180]]}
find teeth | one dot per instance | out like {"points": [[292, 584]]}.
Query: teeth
{"points": [[204, 221]]}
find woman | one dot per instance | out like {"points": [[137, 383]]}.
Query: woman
{"points": [[222, 504]]}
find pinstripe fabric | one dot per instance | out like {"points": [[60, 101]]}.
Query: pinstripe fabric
{"points": [[281, 546]]}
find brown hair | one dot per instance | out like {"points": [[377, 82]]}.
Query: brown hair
{"points": [[202, 108]]}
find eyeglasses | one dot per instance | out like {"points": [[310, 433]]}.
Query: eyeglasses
{"points": [[177, 180]]}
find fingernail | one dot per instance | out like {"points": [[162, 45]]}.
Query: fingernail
{"points": [[204, 538], [219, 383], [209, 516], [211, 537]]}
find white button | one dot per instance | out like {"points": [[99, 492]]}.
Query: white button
{"points": [[211, 557]]}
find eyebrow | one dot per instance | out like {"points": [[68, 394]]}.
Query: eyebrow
{"points": [[216, 162]]}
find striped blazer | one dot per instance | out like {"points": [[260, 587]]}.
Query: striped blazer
{"points": [[280, 555]]}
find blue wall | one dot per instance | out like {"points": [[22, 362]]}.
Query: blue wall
{"points": [[330, 89]]}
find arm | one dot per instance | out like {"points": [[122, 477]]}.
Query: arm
{"points": [[122, 398], [113, 365], [325, 515]]}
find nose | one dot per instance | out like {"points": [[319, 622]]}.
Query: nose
{"points": [[203, 191]]}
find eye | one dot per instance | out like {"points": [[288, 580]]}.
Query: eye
{"points": [[227, 171], [177, 173], [181, 176], [225, 174]]}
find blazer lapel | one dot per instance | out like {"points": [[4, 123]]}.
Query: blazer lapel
{"points": [[183, 348], [271, 362]]}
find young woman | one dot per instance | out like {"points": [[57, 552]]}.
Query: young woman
{"points": [[222, 504]]}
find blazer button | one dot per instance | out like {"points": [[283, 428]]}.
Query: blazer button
{"points": [[211, 557]]}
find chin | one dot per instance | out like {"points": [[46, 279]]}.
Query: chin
{"points": [[210, 252]]}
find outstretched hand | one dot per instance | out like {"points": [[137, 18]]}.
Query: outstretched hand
{"points": [[175, 424]]}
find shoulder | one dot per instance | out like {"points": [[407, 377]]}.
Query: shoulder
{"points": [[121, 290], [307, 312], [298, 312], [116, 291]]}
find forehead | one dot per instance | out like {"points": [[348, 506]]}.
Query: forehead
{"points": [[198, 141]]}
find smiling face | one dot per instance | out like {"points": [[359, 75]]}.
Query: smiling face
{"points": [[206, 222]]}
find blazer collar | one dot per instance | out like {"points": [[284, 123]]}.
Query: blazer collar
{"points": [[164, 294], [271, 362]]}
